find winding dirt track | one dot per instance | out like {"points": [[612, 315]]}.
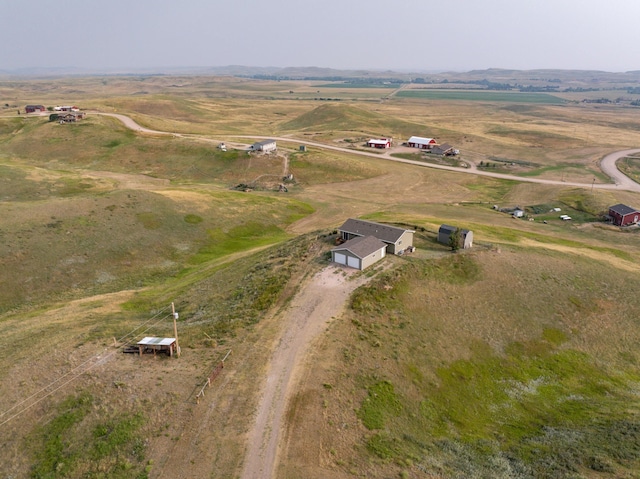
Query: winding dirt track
{"points": [[321, 299], [607, 164]]}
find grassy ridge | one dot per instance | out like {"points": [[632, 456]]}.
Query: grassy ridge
{"points": [[456, 384]]}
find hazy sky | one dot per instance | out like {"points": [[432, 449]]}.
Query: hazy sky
{"points": [[346, 34]]}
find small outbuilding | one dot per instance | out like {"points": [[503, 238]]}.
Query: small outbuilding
{"points": [[155, 345], [396, 239], [445, 232], [421, 143], [265, 146], [518, 213], [623, 215], [379, 143], [444, 150], [34, 109], [360, 252]]}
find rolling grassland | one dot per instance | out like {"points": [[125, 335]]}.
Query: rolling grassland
{"points": [[515, 359]]}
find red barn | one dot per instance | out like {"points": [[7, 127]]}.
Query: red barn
{"points": [[623, 215], [34, 108], [422, 143], [379, 143]]}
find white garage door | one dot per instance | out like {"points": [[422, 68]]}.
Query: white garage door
{"points": [[353, 262], [340, 258]]}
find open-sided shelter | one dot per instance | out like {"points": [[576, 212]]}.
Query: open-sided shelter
{"points": [[155, 345]]}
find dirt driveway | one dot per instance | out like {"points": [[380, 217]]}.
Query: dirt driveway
{"points": [[320, 300]]}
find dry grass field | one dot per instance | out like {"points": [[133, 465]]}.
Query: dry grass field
{"points": [[516, 359]]}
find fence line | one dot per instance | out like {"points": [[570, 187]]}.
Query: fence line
{"points": [[214, 374]]}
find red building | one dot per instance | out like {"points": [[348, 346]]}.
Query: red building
{"points": [[379, 143], [421, 143], [34, 108], [623, 215]]}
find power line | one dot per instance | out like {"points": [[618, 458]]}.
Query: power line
{"points": [[98, 358]]}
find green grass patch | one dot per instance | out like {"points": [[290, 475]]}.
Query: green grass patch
{"points": [[239, 238], [192, 219], [64, 448], [150, 220], [55, 458], [360, 85], [380, 403], [630, 166]]}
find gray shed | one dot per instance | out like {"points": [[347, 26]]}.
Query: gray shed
{"points": [[445, 232]]}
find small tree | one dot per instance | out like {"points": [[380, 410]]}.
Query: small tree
{"points": [[455, 240]]}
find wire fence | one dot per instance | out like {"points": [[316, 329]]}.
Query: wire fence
{"points": [[214, 374]]}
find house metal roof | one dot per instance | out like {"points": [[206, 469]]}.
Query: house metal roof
{"points": [[622, 210], [264, 142], [151, 341], [362, 246], [443, 148], [388, 234], [421, 140]]}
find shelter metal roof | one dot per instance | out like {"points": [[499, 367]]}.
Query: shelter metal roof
{"points": [[151, 341]]}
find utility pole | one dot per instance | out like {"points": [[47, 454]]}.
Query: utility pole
{"points": [[175, 327], [593, 183]]}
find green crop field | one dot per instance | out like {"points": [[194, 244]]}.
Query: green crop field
{"points": [[486, 96]]}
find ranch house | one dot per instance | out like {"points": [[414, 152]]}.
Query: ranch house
{"points": [[396, 239], [34, 108], [421, 143], [379, 143], [445, 232], [265, 146], [623, 215], [360, 252]]}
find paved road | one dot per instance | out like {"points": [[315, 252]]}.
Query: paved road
{"points": [[608, 163]]}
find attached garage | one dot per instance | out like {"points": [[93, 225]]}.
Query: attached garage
{"points": [[354, 262], [359, 253], [339, 258]]}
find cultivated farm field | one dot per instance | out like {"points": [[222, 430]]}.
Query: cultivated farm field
{"points": [[517, 358]]}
